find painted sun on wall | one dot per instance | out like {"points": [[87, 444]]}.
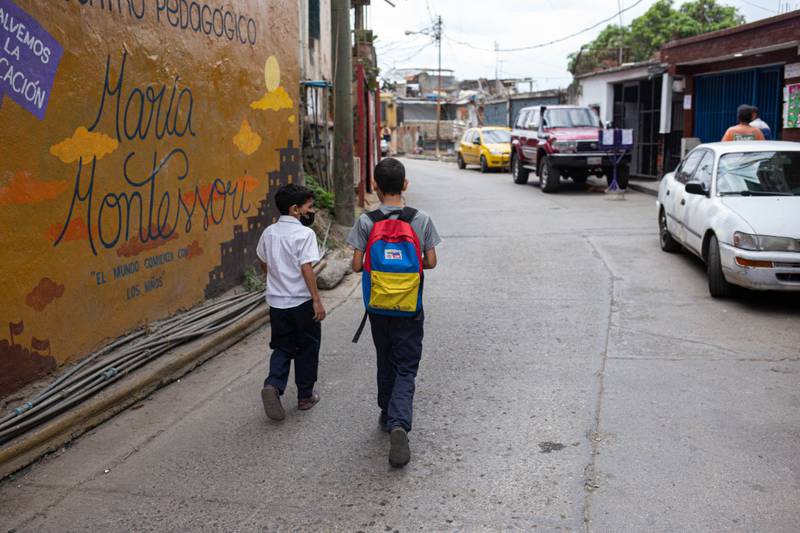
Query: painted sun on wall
{"points": [[135, 169]]}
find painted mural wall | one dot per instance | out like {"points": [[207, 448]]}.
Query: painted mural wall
{"points": [[139, 143]]}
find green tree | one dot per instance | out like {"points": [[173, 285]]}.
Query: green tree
{"points": [[643, 37]]}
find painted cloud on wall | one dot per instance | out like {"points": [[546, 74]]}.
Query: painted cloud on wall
{"points": [[77, 230], [23, 188], [135, 246], [247, 140], [84, 145], [44, 294], [274, 101]]}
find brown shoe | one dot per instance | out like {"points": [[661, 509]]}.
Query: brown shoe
{"points": [[271, 399], [305, 404]]}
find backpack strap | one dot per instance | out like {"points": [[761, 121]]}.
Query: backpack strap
{"points": [[376, 216], [360, 328], [408, 214]]}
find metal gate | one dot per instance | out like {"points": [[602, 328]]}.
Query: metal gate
{"points": [[637, 106], [718, 95]]}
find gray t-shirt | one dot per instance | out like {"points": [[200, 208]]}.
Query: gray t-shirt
{"points": [[422, 226]]}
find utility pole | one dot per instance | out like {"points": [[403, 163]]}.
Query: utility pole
{"points": [[496, 61], [621, 30], [343, 113], [438, 36]]}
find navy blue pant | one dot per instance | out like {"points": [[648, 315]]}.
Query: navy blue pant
{"points": [[295, 335], [398, 343]]}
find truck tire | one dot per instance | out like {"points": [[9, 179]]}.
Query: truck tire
{"points": [[668, 242], [718, 286], [460, 161], [623, 175], [549, 176], [518, 173]]}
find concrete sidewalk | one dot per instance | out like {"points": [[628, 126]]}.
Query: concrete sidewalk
{"points": [[647, 186]]}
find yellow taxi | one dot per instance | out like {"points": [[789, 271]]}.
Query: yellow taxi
{"points": [[489, 147]]}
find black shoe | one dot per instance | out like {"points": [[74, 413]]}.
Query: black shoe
{"points": [[271, 398], [399, 453], [383, 421]]}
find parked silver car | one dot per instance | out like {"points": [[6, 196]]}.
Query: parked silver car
{"points": [[736, 205]]}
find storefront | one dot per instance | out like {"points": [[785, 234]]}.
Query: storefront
{"points": [[756, 64], [630, 97]]}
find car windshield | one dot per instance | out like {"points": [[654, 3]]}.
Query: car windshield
{"points": [[496, 136], [578, 117], [759, 174]]}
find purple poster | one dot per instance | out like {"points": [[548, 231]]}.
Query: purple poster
{"points": [[29, 58]]}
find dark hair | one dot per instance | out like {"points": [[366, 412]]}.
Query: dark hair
{"points": [[290, 195], [745, 113], [390, 174]]}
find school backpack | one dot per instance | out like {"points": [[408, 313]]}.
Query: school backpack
{"points": [[392, 278]]}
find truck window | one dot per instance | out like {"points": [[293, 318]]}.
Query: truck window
{"points": [[534, 120], [522, 120]]}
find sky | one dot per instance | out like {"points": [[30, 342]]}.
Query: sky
{"points": [[512, 24]]}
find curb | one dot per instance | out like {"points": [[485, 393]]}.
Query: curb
{"points": [[642, 188], [49, 437], [443, 159]]}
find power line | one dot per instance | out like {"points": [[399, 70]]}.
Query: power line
{"points": [[413, 54], [396, 46], [759, 7], [548, 43]]}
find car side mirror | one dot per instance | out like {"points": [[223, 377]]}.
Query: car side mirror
{"points": [[696, 187], [477, 142]]}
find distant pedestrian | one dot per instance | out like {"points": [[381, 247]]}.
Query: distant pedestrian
{"points": [[393, 252], [760, 124], [743, 131], [288, 249]]}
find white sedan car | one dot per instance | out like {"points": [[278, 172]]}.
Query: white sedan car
{"points": [[736, 205]]}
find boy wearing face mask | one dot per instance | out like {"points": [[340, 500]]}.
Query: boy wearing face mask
{"points": [[287, 250]]}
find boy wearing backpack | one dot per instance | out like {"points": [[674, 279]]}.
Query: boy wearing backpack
{"points": [[392, 245]]}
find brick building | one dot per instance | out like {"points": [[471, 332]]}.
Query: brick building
{"points": [[749, 64]]}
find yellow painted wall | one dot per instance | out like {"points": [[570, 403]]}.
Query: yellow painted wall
{"points": [[390, 119], [145, 186]]}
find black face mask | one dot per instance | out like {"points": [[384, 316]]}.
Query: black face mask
{"points": [[307, 219]]}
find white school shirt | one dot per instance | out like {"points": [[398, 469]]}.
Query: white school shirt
{"points": [[285, 246]]}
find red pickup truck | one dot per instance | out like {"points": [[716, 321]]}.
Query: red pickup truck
{"points": [[564, 144]]}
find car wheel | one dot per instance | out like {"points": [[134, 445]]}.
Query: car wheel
{"points": [[549, 177], [718, 286], [668, 242], [460, 161], [518, 173], [484, 165]]}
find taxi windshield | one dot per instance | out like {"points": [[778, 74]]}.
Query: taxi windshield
{"points": [[496, 136]]}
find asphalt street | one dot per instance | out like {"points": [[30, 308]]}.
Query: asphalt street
{"points": [[574, 378]]}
